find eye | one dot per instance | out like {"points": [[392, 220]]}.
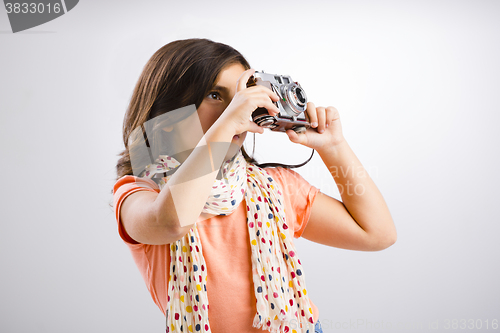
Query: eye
{"points": [[214, 95]]}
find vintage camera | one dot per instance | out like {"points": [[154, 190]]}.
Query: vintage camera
{"points": [[292, 103]]}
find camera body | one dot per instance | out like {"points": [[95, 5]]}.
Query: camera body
{"points": [[292, 103]]}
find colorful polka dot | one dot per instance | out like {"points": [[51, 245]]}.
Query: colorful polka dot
{"points": [[269, 238]]}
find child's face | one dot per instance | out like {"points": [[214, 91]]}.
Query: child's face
{"points": [[219, 98]]}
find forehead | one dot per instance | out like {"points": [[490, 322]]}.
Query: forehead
{"points": [[229, 75]]}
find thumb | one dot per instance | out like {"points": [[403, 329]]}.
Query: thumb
{"points": [[296, 138]]}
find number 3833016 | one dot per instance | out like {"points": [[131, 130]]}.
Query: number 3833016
{"points": [[32, 8], [472, 324]]}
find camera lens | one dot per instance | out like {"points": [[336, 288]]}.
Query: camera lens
{"points": [[300, 96], [295, 99]]}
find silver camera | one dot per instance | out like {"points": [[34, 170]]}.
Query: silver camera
{"points": [[292, 103]]}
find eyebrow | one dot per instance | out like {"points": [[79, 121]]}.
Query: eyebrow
{"points": [[222, 89]]}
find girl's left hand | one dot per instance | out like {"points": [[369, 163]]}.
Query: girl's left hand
{"points": [[325, 131]]}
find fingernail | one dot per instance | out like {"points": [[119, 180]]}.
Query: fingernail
{"points": [[326, 125], [321, 131], [315, 124]]}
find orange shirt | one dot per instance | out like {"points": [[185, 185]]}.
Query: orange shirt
{"points": [[226, 248]]}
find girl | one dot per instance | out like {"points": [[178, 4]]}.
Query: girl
{"points": [[212, 232]]}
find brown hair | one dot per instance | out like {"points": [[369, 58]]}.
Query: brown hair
{"points": [[179, 74]]}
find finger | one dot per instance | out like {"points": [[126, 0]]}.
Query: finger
{"points": [[321, 114], [271, 94], [243, 79], [263, 90], [311, 112], [269, 106], [254, 128], [294, 137], [261, 100], [331, 115]]}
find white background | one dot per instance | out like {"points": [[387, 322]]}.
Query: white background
{"points": [[416, 84]]}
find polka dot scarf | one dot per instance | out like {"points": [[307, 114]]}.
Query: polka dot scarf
{"points": [[278, 278]]}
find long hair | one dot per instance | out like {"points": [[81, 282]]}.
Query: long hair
{"points": [[179, 74]]}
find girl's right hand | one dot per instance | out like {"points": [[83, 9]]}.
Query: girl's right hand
{"points": [[245, 101]]}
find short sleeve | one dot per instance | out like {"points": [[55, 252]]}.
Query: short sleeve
{"points": [[299, 196], [124, 187]]}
